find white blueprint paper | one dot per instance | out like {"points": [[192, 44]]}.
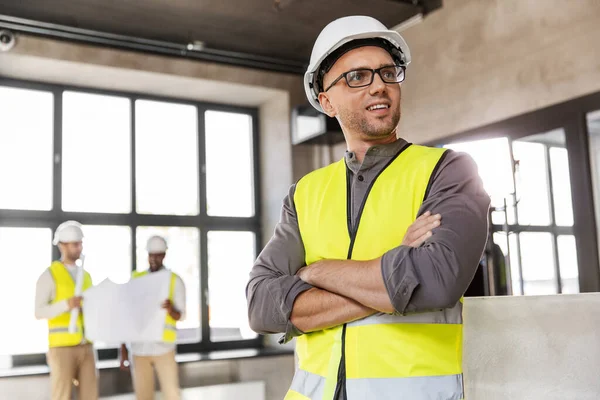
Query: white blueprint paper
{"points": [[129, 312]]}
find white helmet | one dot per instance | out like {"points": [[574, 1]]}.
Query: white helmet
{"points": [[67, 232], [340, 32], [156, 245]]}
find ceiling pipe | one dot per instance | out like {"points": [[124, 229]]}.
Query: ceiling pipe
{"points": [[195, 50]]}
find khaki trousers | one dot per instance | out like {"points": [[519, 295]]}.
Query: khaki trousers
{"points": [[73, 365], [166, 371]]}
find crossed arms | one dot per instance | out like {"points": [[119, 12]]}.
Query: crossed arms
{"points": [[284, 297]]}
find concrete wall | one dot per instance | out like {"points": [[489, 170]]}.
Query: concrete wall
{"points": [[532, 347], [477, 62]]}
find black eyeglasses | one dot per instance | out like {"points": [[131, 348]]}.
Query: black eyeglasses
{"points": [[364, 76]]}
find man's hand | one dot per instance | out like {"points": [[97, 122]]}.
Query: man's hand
{"points": [[302, 273], [168, 305], [420, 230], [124, 359], [74, 302]]}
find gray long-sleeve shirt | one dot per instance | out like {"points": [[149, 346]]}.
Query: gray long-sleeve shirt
{"points": [[432, 276]]}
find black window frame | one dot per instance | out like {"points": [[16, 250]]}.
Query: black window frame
{"points": [[569, 116], [205, 223]]}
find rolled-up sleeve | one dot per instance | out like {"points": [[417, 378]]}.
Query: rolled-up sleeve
{"points": [[273, 285], [436, 274]]}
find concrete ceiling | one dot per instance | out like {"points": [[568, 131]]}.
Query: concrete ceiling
{"points": [[279, 29]]}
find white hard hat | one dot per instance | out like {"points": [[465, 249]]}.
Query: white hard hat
{"points": [[340, 32], [156, 245], [67, 232]]}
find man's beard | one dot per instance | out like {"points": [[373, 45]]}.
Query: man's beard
{"points": [[359, 123]]}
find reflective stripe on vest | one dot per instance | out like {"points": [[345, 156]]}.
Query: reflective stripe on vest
{"points": [[58, 327], [449, 387], [416, 356], [170, 330]]}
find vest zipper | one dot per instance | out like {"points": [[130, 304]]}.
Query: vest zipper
{"points": [[352, 231]]}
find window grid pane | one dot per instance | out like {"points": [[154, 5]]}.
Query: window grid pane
{"points": [[166, 158], [561, 187], [532, 183], [26, 170], [593, 128], [515, 275], [96, 165], [537, 257], [230, 258], [229, 179], [26, 254], [492, 157], [567, 257]]}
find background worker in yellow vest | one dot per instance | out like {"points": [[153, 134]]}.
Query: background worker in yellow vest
{"points": [[160, 357], [375, 317], [70, 356]]}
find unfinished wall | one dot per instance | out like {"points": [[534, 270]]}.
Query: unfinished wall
{"points": [[532, 347], [477, 62]]}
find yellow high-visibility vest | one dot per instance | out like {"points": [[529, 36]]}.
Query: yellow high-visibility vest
{"points": [[170, 331], [58, 327], [384, 356]]}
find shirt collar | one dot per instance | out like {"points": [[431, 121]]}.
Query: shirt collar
{"points": [[374, 154]]}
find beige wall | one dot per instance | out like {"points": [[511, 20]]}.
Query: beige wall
{"points": [[72, 63], [481, 61]]}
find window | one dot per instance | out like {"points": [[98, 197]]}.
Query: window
{"points": [[96, 151], [126, 167], [493, 160], [567, 256], [537, 263], [26, 170], [533, 201], [561, 186], [227, 277], [593, 128], [508, 245], [166, 158], [528, 181], [229, 180], [26, 253]]}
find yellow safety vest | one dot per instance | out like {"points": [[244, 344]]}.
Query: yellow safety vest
{"points": [[384, 356], [58, 327], [170, 332]]}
